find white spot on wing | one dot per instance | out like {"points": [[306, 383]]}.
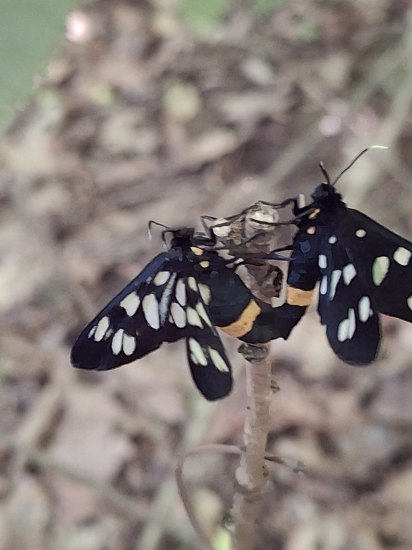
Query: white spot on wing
{"points": [[347, 327], [332, 239], [101, 328], [204, 293], [218, 360], [165, 299], [130, 303], [191, 281], [360, 233], [203, 314], [322, 261], [324, 285], [193, 318], [161, 278], [178, 314], [364, 308], [343, 330], [409, 302], [91, 331], [129, 344], [117, 342], [380, 269], [151, 311], [402, 256], [349, 273], [334, 280], [180, 292], [197, 352], [352, 323]]}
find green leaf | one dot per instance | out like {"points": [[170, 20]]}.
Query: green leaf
{"points": [[29, 33], [203, 15]]}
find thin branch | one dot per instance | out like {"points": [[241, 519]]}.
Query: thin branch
{"points": [[251, 474], [184, 493]]}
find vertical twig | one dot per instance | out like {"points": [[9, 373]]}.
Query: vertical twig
{"points": [[251, 473]]}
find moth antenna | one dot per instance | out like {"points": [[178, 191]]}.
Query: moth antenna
{"points": [[325, 173], [164, 233], [149, 228], [355, 160]]}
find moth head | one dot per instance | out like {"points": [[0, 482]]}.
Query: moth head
{"points": [[326, 193], [181, 237], [326, 190]]}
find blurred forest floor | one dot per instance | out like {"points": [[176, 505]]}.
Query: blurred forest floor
{"points": [[142, 118]]}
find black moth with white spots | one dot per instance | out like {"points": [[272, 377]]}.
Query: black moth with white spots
{"points": [[183, 293], [164, 303], [362, 268]]}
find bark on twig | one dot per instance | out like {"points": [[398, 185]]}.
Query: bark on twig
{"points": [[251, 473], [242, 236]]}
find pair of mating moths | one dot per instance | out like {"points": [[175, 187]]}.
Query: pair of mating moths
{"points": [[362, 269]]}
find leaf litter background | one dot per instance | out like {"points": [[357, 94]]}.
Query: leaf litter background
{"points": [[146, 114]]}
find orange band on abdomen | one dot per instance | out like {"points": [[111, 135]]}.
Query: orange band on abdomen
{"points": [[298, 297], [244, 323]]}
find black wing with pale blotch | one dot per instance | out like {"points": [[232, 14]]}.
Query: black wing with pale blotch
{"points": [[121, 332], [345, 307], [209, 365], [383, 261], [162, 304], [362, 267]]}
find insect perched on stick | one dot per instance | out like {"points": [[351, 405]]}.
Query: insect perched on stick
{"points": [[362, 267], [183, 293]]}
